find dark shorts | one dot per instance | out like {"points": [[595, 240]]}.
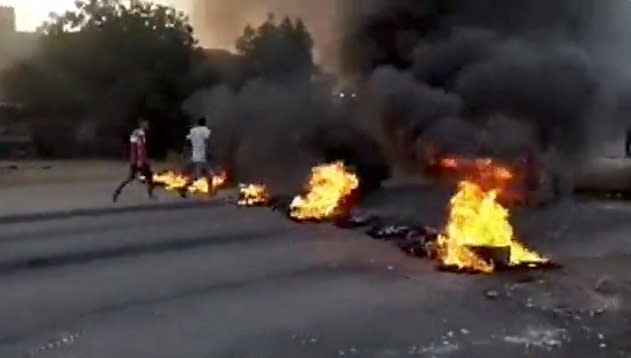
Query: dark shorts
{"points": [[199, 169]]}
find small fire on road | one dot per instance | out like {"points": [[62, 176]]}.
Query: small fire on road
{"points": [[253, 195], [170, 180], [479, 236], [174, 181], [218, 181], [328, 189]]}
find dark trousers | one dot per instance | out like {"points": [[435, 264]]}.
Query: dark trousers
{"points": [[134, 170], [199, 170]]}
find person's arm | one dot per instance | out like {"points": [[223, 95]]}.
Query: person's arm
{"points": [[207, 133], [133, 148], [189, 136]]}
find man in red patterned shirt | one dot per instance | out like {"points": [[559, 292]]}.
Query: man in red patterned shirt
{"points": [[139, 159]]}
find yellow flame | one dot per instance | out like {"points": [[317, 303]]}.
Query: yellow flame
{"points": [[328, 186], [174, 181], [476, 219], [219, 180], [170, 180], [199, 186], [253, 194]]}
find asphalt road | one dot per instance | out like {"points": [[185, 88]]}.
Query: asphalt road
{"points": [[225, 282]]}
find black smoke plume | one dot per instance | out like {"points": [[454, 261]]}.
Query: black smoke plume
{"points": [[488, 77], [275, 133]]}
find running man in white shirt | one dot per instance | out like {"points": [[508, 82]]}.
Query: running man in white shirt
{"points": [[198, 136]]}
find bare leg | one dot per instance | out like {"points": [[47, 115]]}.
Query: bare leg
{"points": [[148, 174], [193, 175], [129, 179]]}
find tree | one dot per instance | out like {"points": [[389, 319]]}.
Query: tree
{"points": [[278, 51], [112, 62]]}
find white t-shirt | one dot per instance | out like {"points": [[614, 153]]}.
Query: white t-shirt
{"points": [[198, 137]]}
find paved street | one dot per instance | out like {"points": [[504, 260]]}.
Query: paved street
{"points": [[462, 170], [220, 281], [69, 186]]}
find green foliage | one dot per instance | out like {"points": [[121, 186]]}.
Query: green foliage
{"points": [[103, 50], [278, 50], [109, 61]]}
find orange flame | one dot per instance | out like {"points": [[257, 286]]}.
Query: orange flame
{"points": [[476, 219], [253, 195], [480, 168], [171, 180], [218, 181], [328, 187], [449, 162], [487, 173], [174, 181]]}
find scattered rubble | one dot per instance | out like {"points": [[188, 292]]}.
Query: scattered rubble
{"points": [[543, 338], [65, 339], [606, 286], [355, 221], [414, 241], [491, 294], [393, 231]]}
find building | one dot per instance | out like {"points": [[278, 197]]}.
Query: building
{"points": [[15, 138], [14, 45], [7, 19]]}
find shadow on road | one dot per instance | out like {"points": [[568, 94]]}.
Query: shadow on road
{"points": [[57, 215], [175, 245]]}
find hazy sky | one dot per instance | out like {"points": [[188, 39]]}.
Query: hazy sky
{"points": [[217, 22], [31, 13]]}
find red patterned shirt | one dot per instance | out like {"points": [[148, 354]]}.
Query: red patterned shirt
{"points": [[138, 148]]}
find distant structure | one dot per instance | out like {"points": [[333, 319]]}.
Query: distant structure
{"points": [[7, 19], [14, 45], [15, 141]]}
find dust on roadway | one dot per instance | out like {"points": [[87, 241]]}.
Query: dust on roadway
{"points": [[222, 281]]}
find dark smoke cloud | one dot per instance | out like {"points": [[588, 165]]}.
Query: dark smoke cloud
{"points": [[553, 88], [275, 133], [256, 130], [471, 77], [402, 108], [485, 76]]}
